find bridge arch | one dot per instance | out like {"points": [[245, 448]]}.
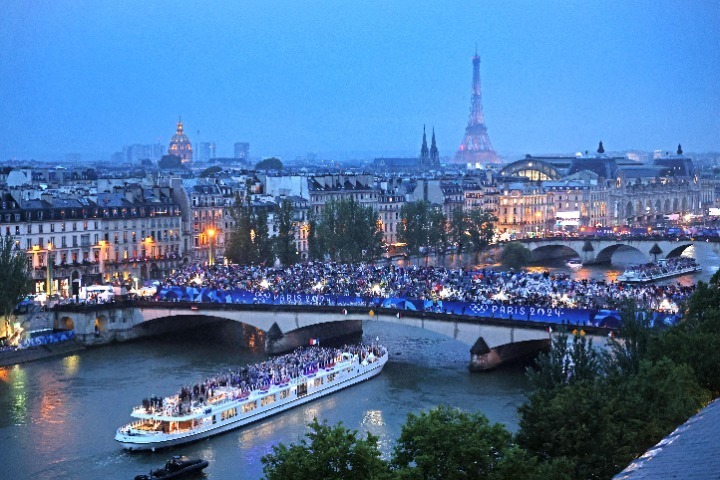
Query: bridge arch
{"points": [[679, 250], [101, 324], [553, 251], [65, 323], [605, 255]]}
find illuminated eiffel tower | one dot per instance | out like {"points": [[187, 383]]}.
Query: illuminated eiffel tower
{"points": [[476, 146]]}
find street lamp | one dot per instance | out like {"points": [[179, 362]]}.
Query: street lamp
{"points": [[48, 275], [211, 241]]}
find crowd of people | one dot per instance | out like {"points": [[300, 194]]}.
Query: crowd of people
{"points": [[240, 383], [485, 286]]}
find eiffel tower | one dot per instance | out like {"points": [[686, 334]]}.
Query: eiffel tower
{"points": [[476, 146]]}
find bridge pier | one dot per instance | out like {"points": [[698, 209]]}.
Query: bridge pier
{"points": [[484, 358]]}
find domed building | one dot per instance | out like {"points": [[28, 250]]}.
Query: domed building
{"points": [[180, 145]]}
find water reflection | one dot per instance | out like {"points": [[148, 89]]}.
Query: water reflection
{"points": [[71, 364]]}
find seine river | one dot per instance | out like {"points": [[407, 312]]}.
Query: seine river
{"points": [[58, 416]]}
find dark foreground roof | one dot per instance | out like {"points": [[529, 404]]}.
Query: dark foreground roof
{"points": [[692, 451]]}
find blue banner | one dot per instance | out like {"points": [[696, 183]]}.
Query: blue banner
{"points": [[528, 313]]}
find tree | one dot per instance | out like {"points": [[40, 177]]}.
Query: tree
{"points": [[446, 443], [260, 236], [415, 226], [347, 231], [14, 276], [210, 171], [239, 249], [515, 255], [457, 228], [285, 241], [570, 360], [271, 163], [315, 243], [328, 453], [438, 235], [480, 229], [634, 337]]}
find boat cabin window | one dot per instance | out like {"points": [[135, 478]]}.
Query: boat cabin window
{"points": [[228, 413], [249, 406], [285, 393], [318, 381], [302, 389], [331, 377], [267, 400]]}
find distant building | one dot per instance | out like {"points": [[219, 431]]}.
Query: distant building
{"points": [[429, 159], [180, 145], [206, 151], [242, 150], [134, 154]]}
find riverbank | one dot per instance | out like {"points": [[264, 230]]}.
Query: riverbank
{"points": [[13, 357]]}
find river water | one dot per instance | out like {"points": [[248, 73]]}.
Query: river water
{"points": [[58, 416]]}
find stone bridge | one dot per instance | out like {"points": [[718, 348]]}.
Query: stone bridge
{"points": [[600, 251], [491, 342]]}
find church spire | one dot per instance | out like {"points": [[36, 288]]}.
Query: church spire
{"points": [[434, 154], [424, 152]]}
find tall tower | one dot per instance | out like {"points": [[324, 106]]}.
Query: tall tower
{"points": [[424, 152], [476, 146], [434, 153]]}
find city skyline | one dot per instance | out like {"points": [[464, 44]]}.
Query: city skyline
{"points": [[91, 78]]}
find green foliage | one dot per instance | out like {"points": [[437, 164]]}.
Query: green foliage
{"points": [[328, 453], [14, 276], [448, 444], [249, 242], [598, 412], [210, 171], [515, 255], [457, 228], [571, 359], [631, 346], [480, 229], [696, 340], [262, 243], [285, 241], [347, 232], [438, 236], [271, 163], [415, 226]]}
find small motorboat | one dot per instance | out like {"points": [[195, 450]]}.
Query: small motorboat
{"points": [[176, 467], [574, 263]]}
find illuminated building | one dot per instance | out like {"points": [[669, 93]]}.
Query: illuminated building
{"points": [[180, 145]]}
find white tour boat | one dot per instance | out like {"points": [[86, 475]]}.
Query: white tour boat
{"points": [[192, 415], [664, 268]]}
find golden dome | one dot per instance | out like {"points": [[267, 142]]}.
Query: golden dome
{"points": [[180, 144]]}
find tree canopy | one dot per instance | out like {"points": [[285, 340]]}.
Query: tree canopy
{"points": [[346, 231], [328, 453], [271, 163], [14, 276]]}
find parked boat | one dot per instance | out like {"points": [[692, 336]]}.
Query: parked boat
{"points": [[176, 467], [233, 399], [664, 268]]}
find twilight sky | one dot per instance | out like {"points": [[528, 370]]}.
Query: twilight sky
{"points": [[357, 78]]}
